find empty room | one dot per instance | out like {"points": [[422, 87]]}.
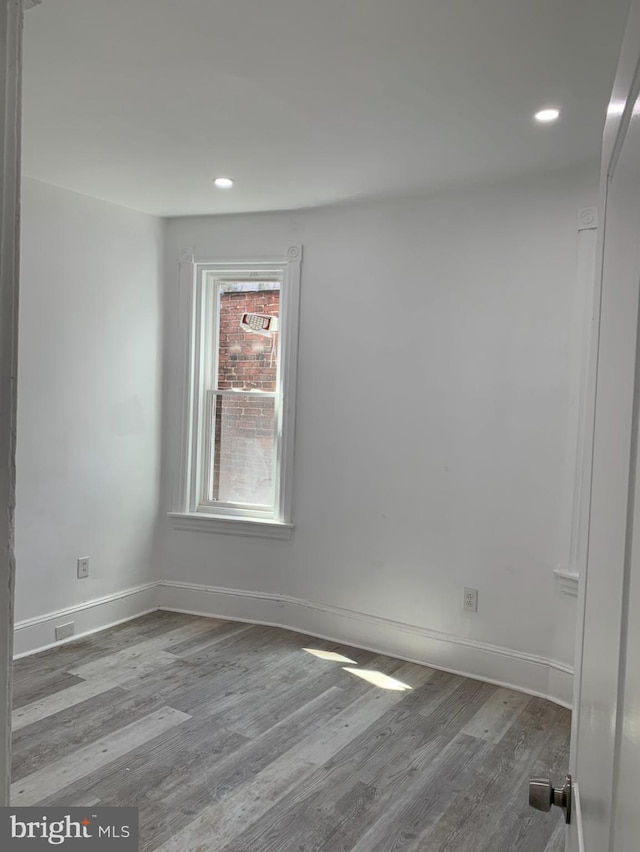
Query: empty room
{"points": [[318, 417]]}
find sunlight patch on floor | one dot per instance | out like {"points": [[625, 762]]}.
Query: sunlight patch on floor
{"points": [[329, 655], [379, 679]]}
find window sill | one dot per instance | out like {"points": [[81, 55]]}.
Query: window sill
{"points": [[196, 522]]}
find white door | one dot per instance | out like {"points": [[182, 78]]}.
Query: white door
{"points": [[10, 42], [605, 756]]}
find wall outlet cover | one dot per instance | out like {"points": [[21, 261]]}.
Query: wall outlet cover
{"points": [[83, 567], [64, 631], [470, 602]]}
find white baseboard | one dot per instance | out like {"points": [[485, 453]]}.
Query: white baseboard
{"points": [[561, 684], [480, 660], [37, 634]]}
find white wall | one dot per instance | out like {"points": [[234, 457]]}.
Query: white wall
{"points": [[89, 399], [426, 459]]}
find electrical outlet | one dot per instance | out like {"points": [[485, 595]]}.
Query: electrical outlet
{"points": [[470, 600], [63, 631], [83, 567]]}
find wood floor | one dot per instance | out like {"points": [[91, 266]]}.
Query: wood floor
{"points": [[232, 738]]}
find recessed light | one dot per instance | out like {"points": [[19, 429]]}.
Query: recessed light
{"points": [[223, 183], [545, 115]]}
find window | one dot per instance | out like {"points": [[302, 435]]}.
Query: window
{"points": [[239, 404]]}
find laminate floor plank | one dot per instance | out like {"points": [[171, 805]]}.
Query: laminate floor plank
{"points": [[156, 624], [241, 694], [304, 725], [81, 692], [557, 840], [82, 680], [215, 685], [217, 824], [41, 784], [505, 770], [232, 737], [308, 818], [493, 720], [156, 822], [520, 820], [138, 652], [151, 769], [106, 641], [199, 764], [218, 634], [361, 766], [295, 692], [454, 767], [57, 735], [32, 689]]}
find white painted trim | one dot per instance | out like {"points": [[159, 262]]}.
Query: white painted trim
{"points": [[577, 815], [185, 497], [183, 372], [568, 581], [457, 654], [11, 19], [588, 218], [197, 522], [37, 634], [575, 831], [479, 660], [290, 323], [602, 601], [579, 440]]}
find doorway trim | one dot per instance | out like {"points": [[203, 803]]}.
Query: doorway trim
{"points": [[11, 18]]}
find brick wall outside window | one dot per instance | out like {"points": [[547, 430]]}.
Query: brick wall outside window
{"points": [[244, 426]]}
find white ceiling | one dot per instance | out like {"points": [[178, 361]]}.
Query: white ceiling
{"points": [[308, 102]]}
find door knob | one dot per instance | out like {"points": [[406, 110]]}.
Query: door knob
{"points": [[542, 795]]}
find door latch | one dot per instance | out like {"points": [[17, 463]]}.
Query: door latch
{"points": [[542, 795]]}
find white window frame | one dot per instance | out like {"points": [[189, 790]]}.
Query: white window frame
{"points": [[190, 511]]}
